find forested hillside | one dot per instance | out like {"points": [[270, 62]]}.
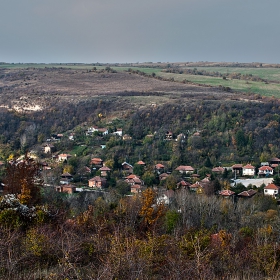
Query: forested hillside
{"points": [[76, 121]]}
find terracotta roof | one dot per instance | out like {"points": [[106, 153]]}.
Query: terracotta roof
{"points": [[195, 185], [226, 192], [184, 183], [271, 186], [275, 159], [64, 155], [105, 168], [218, 169], [163, 176], [141, 162], [248, 193], [184, 168], [248, 166], [159, 166], [274, 165], [97, 179], [131, 176], [265, 168], [96, 159]]}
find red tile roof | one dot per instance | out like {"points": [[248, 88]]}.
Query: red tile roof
{"points": [[248, 193], [105, 168], [271, 186], [248, 166], [227, 192], [184, 168], [265, 168], [159, 166]]}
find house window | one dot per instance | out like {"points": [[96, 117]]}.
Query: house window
{"points": [[265, 190], [275, 191]]}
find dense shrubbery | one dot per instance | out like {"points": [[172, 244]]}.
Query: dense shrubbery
{"points": [[209, 238]]}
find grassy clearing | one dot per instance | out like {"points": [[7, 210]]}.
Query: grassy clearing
{"points": [[237, 85], [272, 74]]}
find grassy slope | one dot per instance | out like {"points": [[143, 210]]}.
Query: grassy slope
{"points": [[238, 85], [271, 74]]}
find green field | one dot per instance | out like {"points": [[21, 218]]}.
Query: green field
{"points": [[272, 74], [271, 89]]}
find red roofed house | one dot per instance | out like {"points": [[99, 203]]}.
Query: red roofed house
{"points": [[66, 189], [163, 176], [248, 170], [218, 170], [274, 161], [265, 171], [237, 169], [248, 193], [63, 157], [140, 162], [159, 168], [104, 171], [271, 189], [196, 187], [227, 193], [183, 184], [97, 162], [66, 178], [127, 168], [166, 197], [185, 169], [97, 182]]}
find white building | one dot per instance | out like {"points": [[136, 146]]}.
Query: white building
{"points": [[248, 170], [271, 189]]}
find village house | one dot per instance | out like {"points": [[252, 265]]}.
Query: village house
{"points": [[104, 171], [97, 162], [248, 170], [97, 182], [226, 193], [196, 187], [159, 168], [237, 169], [135, 183], [181, 138], [126, 137], [185, 169], [91, 130], [70, 189], [66, 178], [140, 162], [63, 157], [265, 171], [163, 176], [127, 168], [218, 170], [118, 132], [247, 194], [166, 197], [183, 184], [49, 149], [168, 135], [271, 189], [274, 160]]}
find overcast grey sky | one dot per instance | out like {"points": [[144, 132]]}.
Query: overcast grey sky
{"points": [[138, 31]]}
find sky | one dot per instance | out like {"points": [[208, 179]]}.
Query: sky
{"points": [[129, 31]]}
